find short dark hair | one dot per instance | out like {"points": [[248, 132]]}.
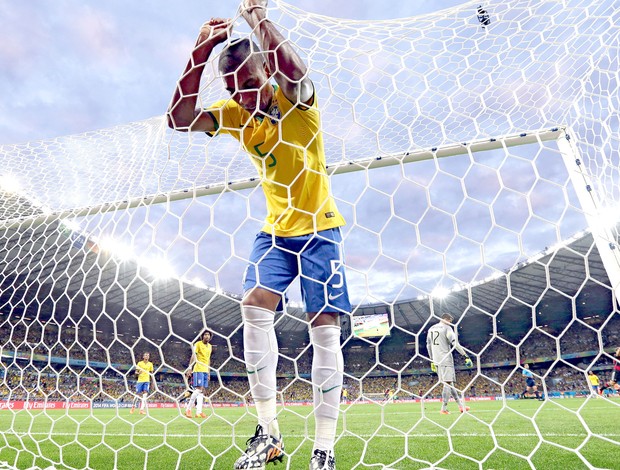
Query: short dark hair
{"points": [[447, 317], [237, 52], [205, 332]]}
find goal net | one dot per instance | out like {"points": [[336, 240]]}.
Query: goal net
{"points": [[477, 165]]}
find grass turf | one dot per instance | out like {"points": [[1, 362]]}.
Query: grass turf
{"points": [[552, 434]]}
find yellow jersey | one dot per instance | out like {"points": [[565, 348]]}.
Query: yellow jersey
{"points": [[203, 357], [287, 150], [144, 368], [594, 380]]}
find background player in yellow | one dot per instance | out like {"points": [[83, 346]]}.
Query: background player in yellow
{"points": [[278, 124], [199, 370], [594, 383], [144, 371]]}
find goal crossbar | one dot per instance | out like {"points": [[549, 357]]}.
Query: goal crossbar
{"points": [[480, 145]]}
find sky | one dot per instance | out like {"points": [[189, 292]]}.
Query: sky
{"points": [[68, 67], [71, 66]]}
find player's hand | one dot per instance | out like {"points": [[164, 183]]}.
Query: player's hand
{"points": [[434, 367], [248, 7], [468, 362], [216, 30], [252, 4]]}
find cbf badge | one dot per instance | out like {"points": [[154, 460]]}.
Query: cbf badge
{"points": [[274, 113]]}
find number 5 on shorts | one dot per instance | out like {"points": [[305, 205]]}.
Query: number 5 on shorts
{"points": [[335, 264]]}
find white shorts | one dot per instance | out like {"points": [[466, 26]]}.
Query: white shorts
{"points": [[446, 373]]}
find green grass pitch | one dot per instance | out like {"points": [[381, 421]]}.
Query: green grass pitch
{"points": [[394, 436]]}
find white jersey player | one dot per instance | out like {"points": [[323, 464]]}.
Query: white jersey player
{"points": [[440, 342]]}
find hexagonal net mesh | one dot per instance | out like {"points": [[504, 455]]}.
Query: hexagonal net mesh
{"points": [[477, 168]]}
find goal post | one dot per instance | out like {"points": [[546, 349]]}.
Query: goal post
{"points": [[107, 275], [601, 220]]}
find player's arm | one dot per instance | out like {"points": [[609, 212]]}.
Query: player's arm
{"points": [[183, 115], [192, 361], [290, 71], [454, 342], [429, 351]]}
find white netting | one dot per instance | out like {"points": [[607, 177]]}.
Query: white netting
{"points": [[477, 169]]}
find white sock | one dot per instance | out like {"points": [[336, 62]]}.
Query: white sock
{"points": [[260, 350], [445, 395], [143, 404], [199, 402], [327, 377], [267, 416], [455, 395], [191, 399]]}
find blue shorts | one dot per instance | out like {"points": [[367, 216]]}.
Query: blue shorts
{"points": [[200, 379], [530, 382], [142, 387], [276, 262]]}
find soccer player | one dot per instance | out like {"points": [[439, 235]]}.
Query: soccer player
{"points": [[279, 125], [594, 383], [610, 386], [615, 375], [186, 394], [440, 342], [530, 383], [199, 370], [144, 371]]}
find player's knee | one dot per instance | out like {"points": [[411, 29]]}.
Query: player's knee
{"points": [[323, 319], [262, 298]]}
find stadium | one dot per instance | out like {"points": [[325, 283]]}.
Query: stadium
{"points": [[502, 213]]}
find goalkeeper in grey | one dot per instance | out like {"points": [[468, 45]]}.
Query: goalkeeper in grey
{"points": [[440, 342]]}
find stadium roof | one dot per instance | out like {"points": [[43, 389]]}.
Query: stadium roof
{"points": [[51, 272], [15, 207]]}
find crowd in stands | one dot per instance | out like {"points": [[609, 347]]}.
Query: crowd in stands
{"points": [[31, 384], [51, 362]]}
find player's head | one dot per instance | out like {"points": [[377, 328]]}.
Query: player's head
{"points": [[447, 318], [146, 356], [526, 366], [590, 372], [246, 75], [206, 336]]}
